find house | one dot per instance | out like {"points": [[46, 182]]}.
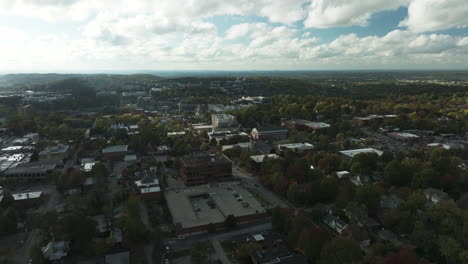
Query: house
{"points": [[387, 235], [389, 201], [335, 223], [360, 180], [435, 196], [342, 174], [269, 132], [55, 251]]}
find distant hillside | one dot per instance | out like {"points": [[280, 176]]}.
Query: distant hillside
{"points": [[32, 78], [99, 81]]}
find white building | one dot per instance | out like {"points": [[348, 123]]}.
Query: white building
{"points": [[296, 147]]}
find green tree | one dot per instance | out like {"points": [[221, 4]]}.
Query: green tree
{"points": [[278, 219], [396, 174], [340, 250], [368, 195], [198, 254]]}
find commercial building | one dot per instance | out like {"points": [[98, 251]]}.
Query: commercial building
{"points": [[31, 171], [116, 152], [260, 158], [195, 209], [269, 133], [221, 121], [205, 168], [296, 147], [58, 152], [354, 152], [302, 124]]}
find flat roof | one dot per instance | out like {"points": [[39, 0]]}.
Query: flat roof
{"points": [[297, 146], [130, 157], [317, 125], [260, 158], [189, 206], [26, 195], [353, 152], [57, 149], [403, 135], [240, 145], [116, 148]]}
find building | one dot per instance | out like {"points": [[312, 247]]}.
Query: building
{"points": [[435, 196], [130, 160], [301, 124], [269, 133], [335, 223], [221, 121], [260, 158], [196, 209], [151, 193], [404, 136], [354, 152], [55, 251], [296, 147], [242, 145], [116, 152], [205, 168], [226, 135], [31, 171], [58, 152], [342, 174]]}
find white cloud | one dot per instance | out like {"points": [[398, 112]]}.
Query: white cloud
{"points": [[345, 13], [433, 15]]}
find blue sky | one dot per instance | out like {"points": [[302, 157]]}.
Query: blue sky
{"points": [[88, 35]]}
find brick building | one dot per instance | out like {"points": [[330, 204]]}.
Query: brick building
{"points": [[205, 168]]}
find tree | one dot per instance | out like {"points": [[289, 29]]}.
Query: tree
{"points": [[450, 249], [198, 254], [81, 236], [230, 222], [396, 174], [340, 250], [278, 219], [407, 255], [292, 193], [368, 195], [247, 249]]}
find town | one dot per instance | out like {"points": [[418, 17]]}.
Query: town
{"points": [[199, 171]]}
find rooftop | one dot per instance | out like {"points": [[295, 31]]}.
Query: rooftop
{"points": [[297, 146], [353, 152], [206, 204], [116, 148], [260, 158], [204, 159], [58, 149]]}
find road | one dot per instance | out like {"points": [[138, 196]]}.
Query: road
{"points": [[252, 182], [220, 251]]}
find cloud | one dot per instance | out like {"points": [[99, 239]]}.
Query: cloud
{"points": [[434, 15], [346, 13]]}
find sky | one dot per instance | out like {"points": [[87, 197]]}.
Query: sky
{"points": [[240, 35]]}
